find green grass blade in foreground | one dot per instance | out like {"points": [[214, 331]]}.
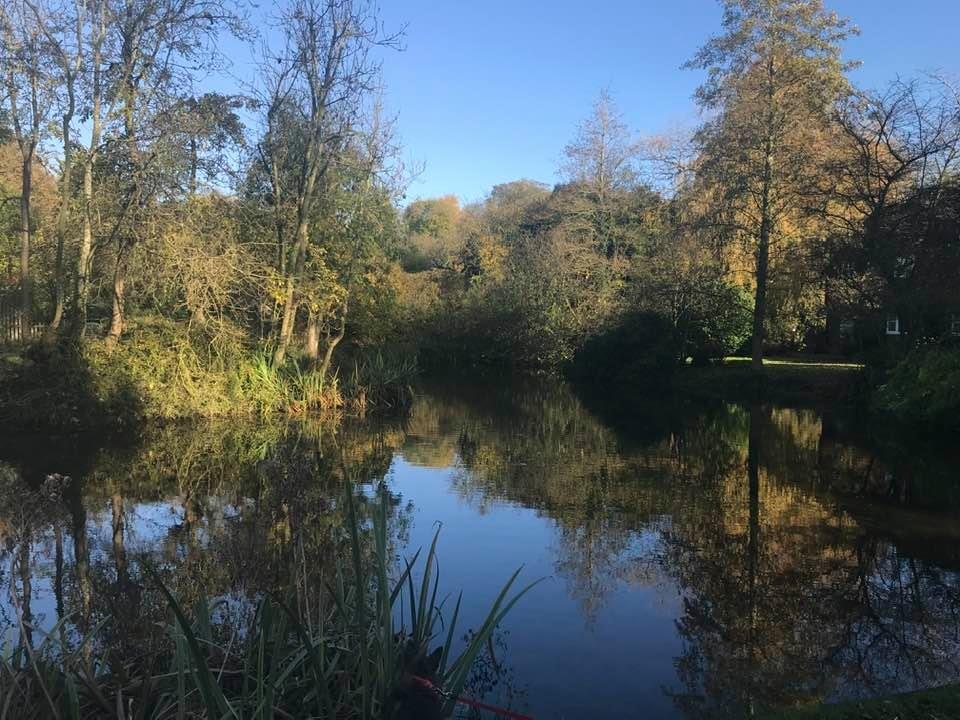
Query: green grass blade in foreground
{"points": [[213, 697]]}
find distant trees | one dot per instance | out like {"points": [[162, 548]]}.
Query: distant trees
{"points": [[274, 219]]}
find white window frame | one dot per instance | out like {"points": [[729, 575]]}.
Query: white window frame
{"points": [[893, 319]]}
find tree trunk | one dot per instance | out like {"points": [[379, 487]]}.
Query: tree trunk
{"points": [[286, 323], [290, 295], [116, 315], [312, 341], [85, 254], [26, 188], [63, 216], [766, 223], [333, 342], [760, 298]]}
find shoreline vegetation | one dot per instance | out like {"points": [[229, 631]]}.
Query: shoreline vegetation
{"points": [[164, 372], [940, 703], [353, 648]]}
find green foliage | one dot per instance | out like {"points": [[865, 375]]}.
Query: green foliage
{"points": [[641, 346], [286, 388], [382, 380], [717, 326], [169, 371], [924, 387]]}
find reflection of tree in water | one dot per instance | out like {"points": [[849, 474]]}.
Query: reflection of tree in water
{"points": [[790, 592], [217, 511], [788, 599], [793, 586]]}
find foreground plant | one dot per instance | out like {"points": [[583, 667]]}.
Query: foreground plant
{"points": [[378, 642]]}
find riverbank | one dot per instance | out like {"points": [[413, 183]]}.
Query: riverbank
{"points": [[941, 703], [805, 380], [169, 371]]}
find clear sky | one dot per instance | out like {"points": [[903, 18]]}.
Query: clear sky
{"points": [[489, 91]]}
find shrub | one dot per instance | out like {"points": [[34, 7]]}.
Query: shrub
{"points": [[924, 387]]}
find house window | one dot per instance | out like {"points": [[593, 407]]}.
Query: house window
{"points": [[955, 324], [893, 324]]}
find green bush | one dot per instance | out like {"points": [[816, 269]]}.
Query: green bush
{"points": [[924, 387], [641, 345]]}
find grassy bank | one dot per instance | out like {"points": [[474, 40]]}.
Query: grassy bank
{"points": [[799, 380], [168, 371], [936, 704]]}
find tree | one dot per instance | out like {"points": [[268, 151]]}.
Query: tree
{"points": [[600, 165], [319, 81], [94, 26], [888, 193], [773, 75], [62, 30], [155, 41], [27, 97]]}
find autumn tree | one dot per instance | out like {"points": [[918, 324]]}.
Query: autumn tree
{"points": [[772, 78]]}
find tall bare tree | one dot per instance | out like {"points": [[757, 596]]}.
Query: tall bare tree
{"points": [[62, 28]]}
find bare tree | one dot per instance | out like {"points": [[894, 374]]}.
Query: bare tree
{"points": [[26, 89], [62, 29]]}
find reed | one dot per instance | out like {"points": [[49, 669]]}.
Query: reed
{"points": [[347, 650]]}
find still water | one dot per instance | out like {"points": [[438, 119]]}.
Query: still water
{"points": [[697, 561]]}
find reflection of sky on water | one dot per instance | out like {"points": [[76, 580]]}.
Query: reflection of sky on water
{"points": [[665, 588]]}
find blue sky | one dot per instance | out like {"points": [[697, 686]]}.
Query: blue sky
{"points": [[489, 91]]}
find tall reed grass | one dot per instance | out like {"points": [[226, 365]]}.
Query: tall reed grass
{"points": [[348, 650]]}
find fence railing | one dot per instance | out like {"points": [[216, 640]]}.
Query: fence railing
{"points": [[14, 327]]}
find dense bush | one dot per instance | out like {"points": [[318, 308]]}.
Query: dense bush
{"points": [[641, 345], [924, 387]]}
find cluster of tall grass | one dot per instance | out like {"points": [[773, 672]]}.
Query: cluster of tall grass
{"points": [[382, 380], [164, 370], [354, 649]]}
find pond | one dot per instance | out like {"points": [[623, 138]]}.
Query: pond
{"points": [[697, 560]]}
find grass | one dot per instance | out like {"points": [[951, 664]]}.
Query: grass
{"points": [[936, 704], [347, 651], [801, 379]]}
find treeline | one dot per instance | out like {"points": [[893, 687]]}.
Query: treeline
{"points": [[178, 232], [804, 214]]}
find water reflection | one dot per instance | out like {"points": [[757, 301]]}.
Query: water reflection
{"points": [[704, 561]]}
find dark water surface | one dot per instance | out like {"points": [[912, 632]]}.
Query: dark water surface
{"points": [[698, 561]]}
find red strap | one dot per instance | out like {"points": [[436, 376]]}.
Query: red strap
{"points": [[424, 682], [499, 711]]}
